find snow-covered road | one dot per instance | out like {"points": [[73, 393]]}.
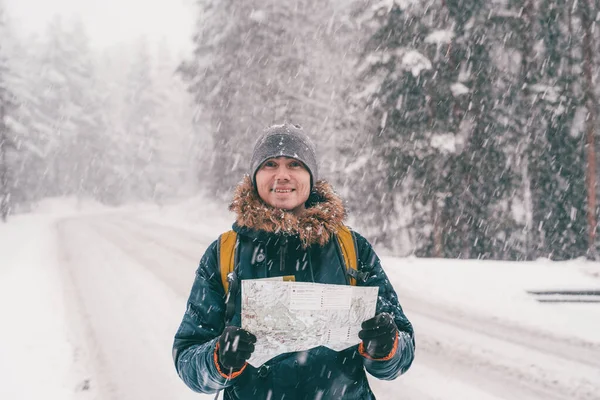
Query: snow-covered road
{"points": [[126, 280], [131, 294]]}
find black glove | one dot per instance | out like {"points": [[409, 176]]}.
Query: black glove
{"points": [[378, 335], [235, 347]]}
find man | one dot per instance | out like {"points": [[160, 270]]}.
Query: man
{"points": [[287, 224]]}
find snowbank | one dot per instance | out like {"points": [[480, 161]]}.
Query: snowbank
{"points": [[499, 289], [35, 355]]}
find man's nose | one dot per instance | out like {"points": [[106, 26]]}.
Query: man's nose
{"points": [[282, 174]]}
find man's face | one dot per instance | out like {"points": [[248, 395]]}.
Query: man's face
{"points": [[283, 183]]}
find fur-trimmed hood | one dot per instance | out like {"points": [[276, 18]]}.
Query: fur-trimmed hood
{"points": [[324, 216]]}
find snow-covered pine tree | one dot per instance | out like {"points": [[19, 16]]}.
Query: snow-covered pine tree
{"points": [[7, 106], [392, 77], [440, 151], [589, 12], [111, 87], [480, 183], [252, 67], [176, 141], [29, 168], [55, 133], [428, 76], [346, 147], [206, 75], [57, 115], [65, 114], [511, 55], [553, 143], [334, 42], [141, 138], [90, 144]]}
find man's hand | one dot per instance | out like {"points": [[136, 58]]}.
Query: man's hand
{"points": [[378, 335], [235, 347]]}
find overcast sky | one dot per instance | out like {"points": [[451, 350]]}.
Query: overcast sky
{"points": [[113, 21]]}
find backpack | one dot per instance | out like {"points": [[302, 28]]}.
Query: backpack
{"points": [[226, 249], [346, 245]]}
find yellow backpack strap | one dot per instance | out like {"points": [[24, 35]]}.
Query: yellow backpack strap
{"points": [[348, 247], [226, 256]]}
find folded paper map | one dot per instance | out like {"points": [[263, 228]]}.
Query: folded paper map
{"points": [[297, 316]]}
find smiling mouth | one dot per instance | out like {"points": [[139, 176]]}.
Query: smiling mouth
{"points": [[282, 190]]}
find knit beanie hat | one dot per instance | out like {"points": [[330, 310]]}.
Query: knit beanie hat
{"points": [[285, 140]]}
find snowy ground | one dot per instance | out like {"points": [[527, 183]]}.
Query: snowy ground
{"points": [[90, 301]]}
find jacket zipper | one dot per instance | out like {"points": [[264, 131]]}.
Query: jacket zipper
{"points": [[282, 255]]}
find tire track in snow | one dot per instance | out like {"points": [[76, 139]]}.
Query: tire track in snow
{"points": [[568, 348], [90, 361], [153, 254]]}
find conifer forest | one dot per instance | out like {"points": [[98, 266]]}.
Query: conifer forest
{"points": [[452, 128]]}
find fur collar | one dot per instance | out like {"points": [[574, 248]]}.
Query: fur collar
{"points": [[324, 215]]}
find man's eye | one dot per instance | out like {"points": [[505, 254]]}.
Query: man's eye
{"points": [[295, 164], [270, 164]]}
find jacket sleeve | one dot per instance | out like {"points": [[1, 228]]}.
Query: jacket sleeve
{"points": [[203, 322], [403, 353]]}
